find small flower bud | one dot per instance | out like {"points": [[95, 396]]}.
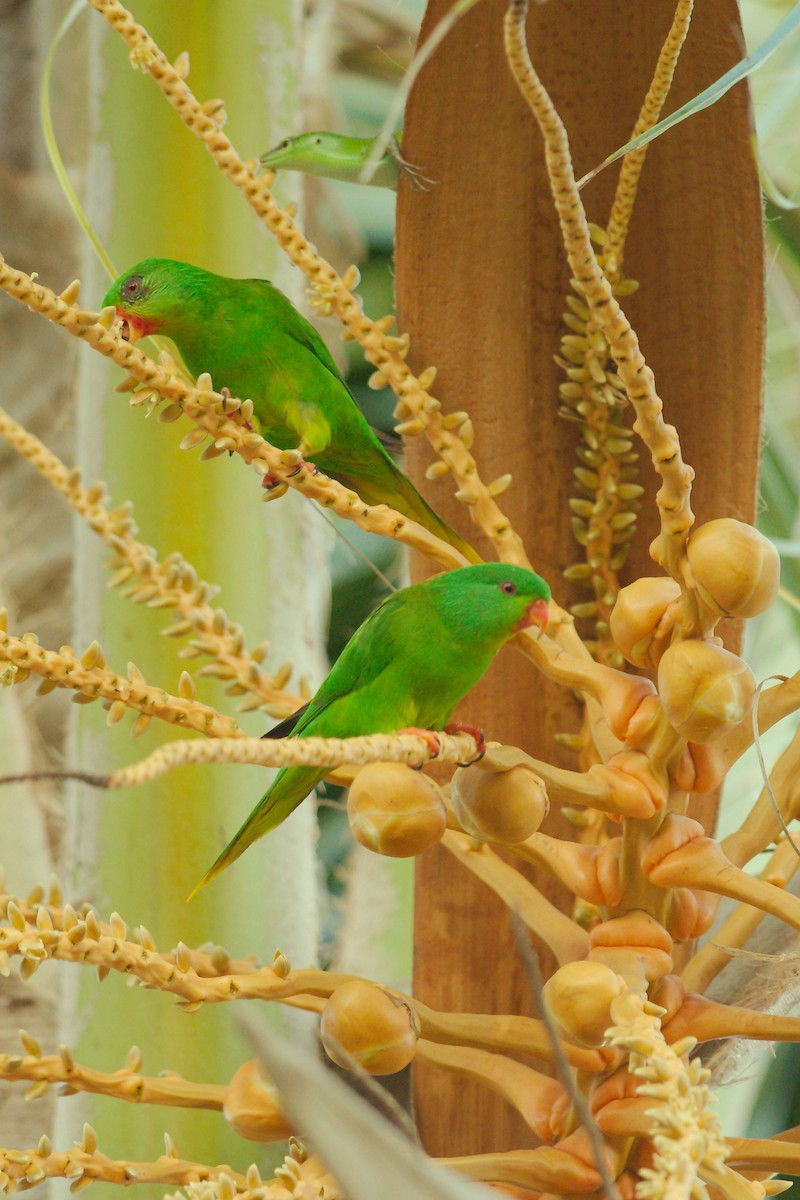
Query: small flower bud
{"points": [[374, 1027], [705, 690], [579, 996], [394, 810], [503, 806], [735, 569], [251, 1105], [638, 626]]}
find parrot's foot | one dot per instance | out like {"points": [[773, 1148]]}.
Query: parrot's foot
{"points": [[295, 463], [298, 463], [303, 466], [272, 481], [429, 737], [458, 727]]}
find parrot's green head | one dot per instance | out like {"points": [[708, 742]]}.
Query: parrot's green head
{"points": [[491, 602], [155, 295]]}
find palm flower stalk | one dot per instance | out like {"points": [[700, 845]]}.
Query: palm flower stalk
{"points": [[632, 1110]]}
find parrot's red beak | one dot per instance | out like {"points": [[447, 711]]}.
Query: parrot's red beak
{"points": [[132, 327], [538, 614]]}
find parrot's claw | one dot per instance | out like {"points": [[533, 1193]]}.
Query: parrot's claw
{"points": [[429, 737], [458, 727], [303, 466], [270, 481]]}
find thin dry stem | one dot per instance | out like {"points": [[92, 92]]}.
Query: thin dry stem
{"points": [[387, 354], [774, 704], [608, 1160]]}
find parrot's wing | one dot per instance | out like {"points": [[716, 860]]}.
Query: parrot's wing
{"points": [[380, 643], [307, 337], [287, 726], [292, 324]]}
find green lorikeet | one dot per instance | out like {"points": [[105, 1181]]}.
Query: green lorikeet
{"points": [[408, 665], [253, 341]]}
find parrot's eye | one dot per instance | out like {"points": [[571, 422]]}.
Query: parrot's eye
{"points": [[508, 588], [132, 287]]}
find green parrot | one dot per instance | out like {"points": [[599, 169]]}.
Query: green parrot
{"points": [[335, 156], [406, 667], [255, 343]]}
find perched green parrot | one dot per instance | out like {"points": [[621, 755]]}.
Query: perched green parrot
{"points": [[335, 156], [406, 667], [254, 342]]}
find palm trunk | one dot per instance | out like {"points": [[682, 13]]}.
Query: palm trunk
{"points": [[481, 280]]}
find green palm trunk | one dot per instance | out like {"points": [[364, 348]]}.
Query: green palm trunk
{"points": [[153, 189]]}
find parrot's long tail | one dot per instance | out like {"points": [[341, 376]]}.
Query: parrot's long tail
{"points": [[397, 490], [289, 788]]}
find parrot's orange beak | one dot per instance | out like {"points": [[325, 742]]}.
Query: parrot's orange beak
{"points": [[132, 327], [538, 614]]}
